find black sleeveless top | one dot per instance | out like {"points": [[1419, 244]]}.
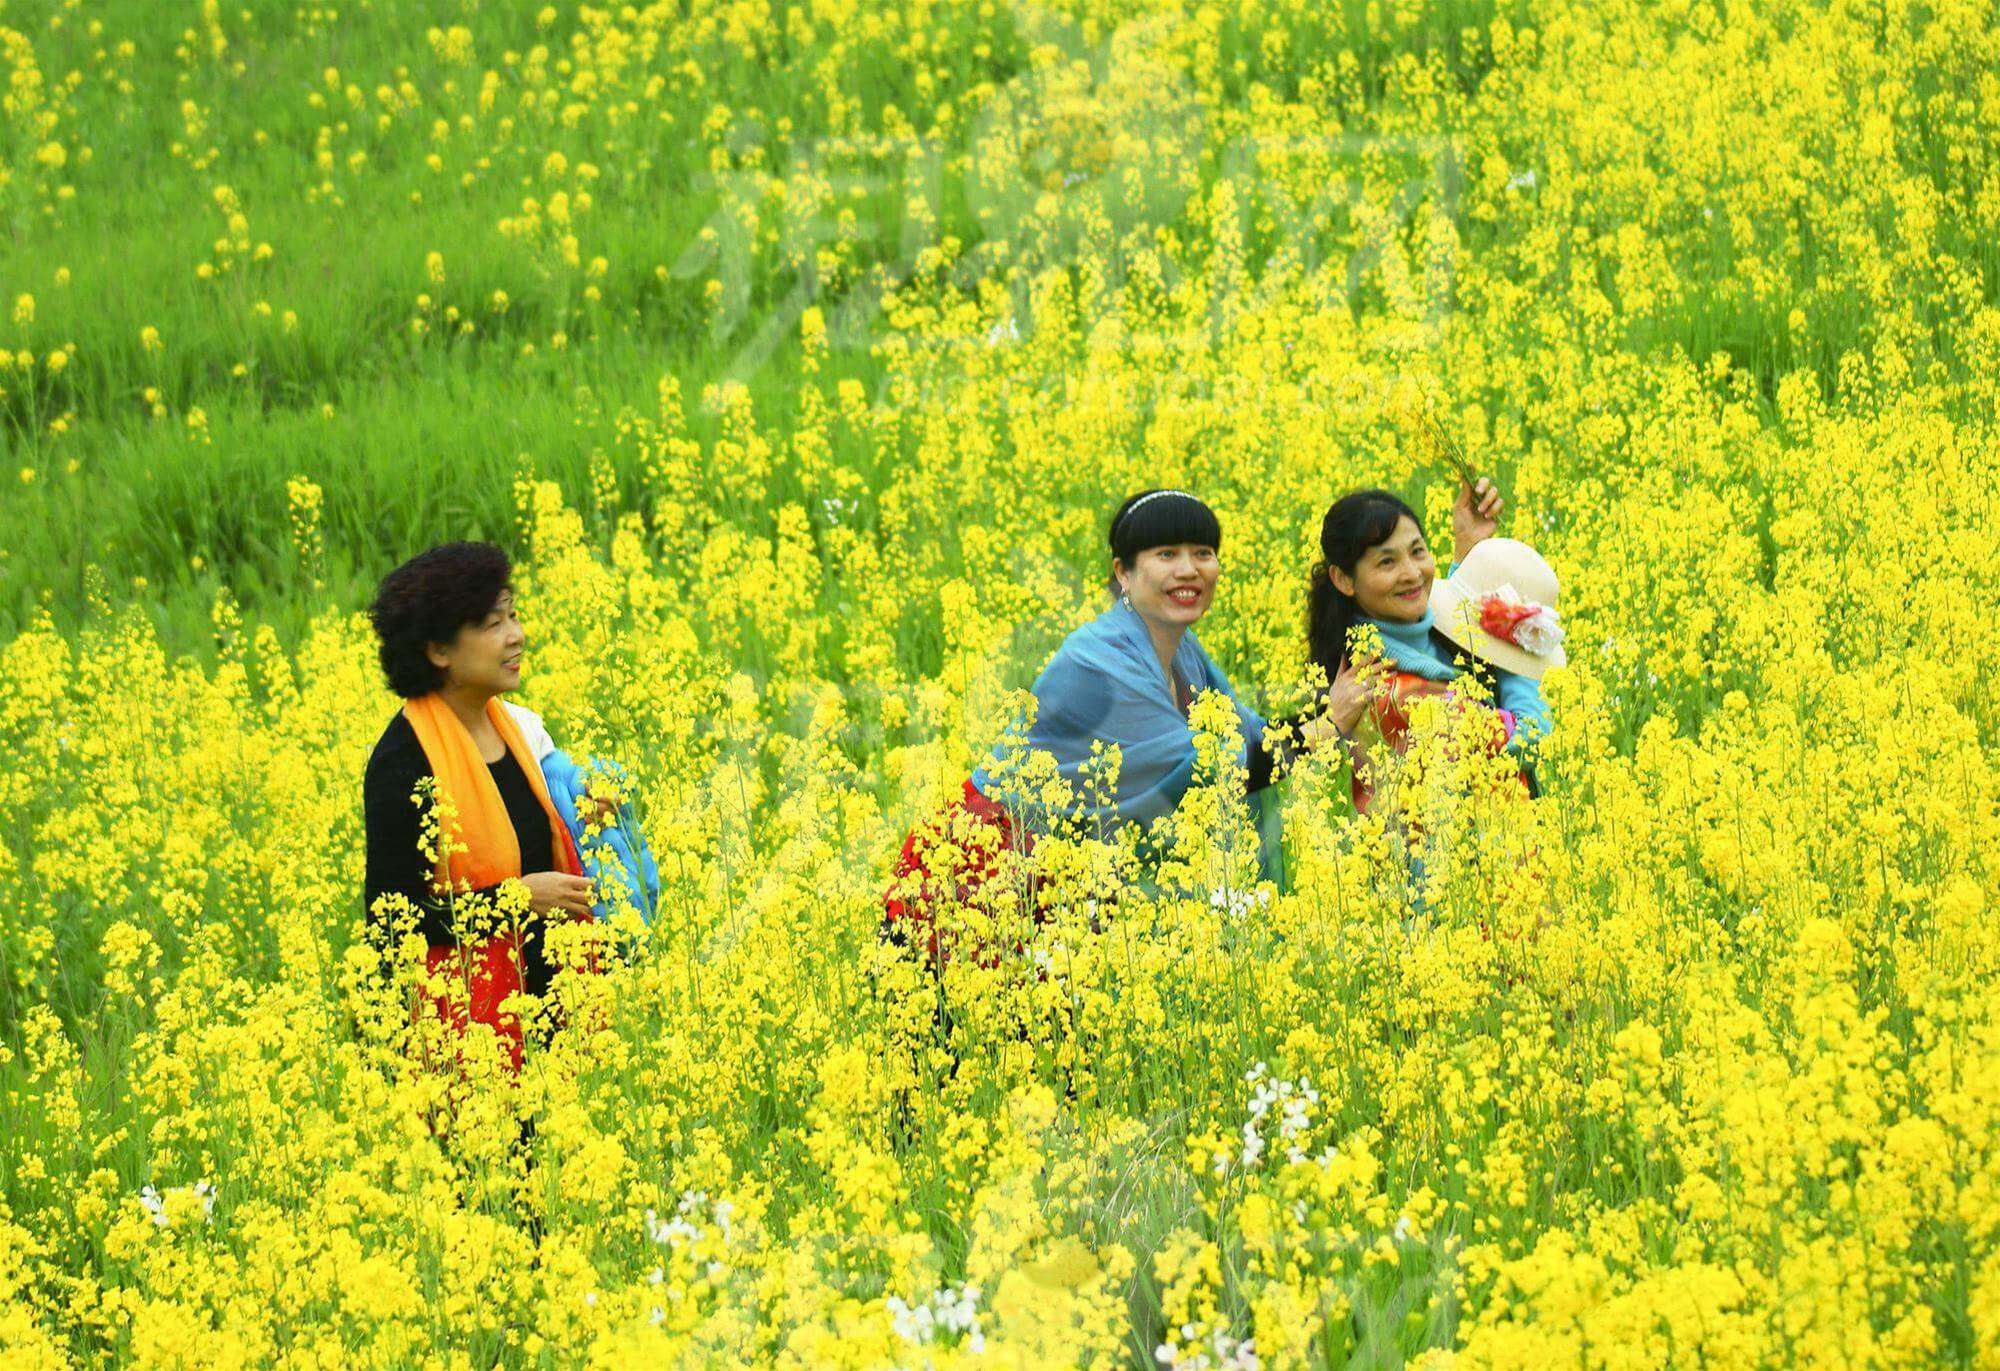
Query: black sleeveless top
{"points": [[531, 823]]}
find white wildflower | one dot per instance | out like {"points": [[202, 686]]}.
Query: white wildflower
{"points": [[1286, 1106], [156, 1204], [1223, 1352], [950, 1309], [1240, 904]]}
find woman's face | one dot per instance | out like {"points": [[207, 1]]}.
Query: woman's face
{"points": [[1170, 585], [485, 657], [1392, 581]]}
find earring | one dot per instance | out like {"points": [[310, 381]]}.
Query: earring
{"points": [[1125, 597]]}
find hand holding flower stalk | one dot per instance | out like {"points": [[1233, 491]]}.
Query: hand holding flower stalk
{"points": [[1475, 516], [1346, 701], [598, 805], [1362, 680]]}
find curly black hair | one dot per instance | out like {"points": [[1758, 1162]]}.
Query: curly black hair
{"points": [[428, 599]]}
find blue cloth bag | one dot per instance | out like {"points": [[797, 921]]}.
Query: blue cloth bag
{"points": [[641, 875]]}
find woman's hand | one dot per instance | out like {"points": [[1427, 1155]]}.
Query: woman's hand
{"points": [[1475, 516], [550, 891], [1346, 700]]}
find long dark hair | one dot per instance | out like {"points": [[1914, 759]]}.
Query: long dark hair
{"points": [[1358, 521]]}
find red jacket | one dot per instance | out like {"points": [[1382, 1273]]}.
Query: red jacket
{"points": [[915, 918], [1391, 717]]}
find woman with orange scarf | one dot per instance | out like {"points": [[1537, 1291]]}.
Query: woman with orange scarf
{"points": [[451, 646]]}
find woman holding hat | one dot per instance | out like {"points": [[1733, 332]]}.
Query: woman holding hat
{"points": [[1127, 678], [1494, 615]]}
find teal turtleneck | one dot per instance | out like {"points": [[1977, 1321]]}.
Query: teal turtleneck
{"points": [[1410, 647]]}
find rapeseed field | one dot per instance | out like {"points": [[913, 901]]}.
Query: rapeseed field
{"points": [[800, 354]]}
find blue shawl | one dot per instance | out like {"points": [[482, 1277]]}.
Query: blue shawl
{"points": [[640, 874], [1409, 647], [1105, 684]]}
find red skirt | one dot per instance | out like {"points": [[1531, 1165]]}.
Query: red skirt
{"points": [[491, 971], [981, 830]]}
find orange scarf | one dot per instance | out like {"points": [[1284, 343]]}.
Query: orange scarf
{"points": [[484, 833]]}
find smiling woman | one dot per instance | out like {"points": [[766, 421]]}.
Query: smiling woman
{"points": [[1125, 680], [1377, 571], [451, 646], [1128, 677]]}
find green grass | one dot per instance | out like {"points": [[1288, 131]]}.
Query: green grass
{"points": [[428, 434]]}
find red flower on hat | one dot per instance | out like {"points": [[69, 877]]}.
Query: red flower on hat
{"points": [[1499, 618]]}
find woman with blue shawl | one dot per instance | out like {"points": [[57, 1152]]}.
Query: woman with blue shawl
{"points": [[1492, 619], [1125, 679]]}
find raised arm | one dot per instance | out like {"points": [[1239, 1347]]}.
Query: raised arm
{"points": [[1475, 517]]}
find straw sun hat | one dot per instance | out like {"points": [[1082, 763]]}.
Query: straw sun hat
{"points": [[1500, 605]]}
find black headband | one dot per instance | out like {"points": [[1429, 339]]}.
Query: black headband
{"points": [[1160, 518]]}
